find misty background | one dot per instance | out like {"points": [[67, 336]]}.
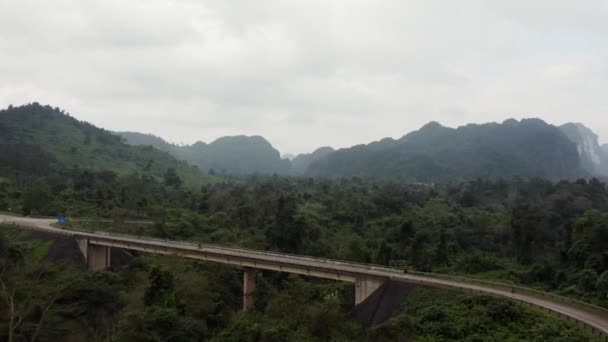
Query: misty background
{"points": [[305, 74]]}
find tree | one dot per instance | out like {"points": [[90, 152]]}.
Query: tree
{"points": [[602, 284], [441, 254], [172, 179], [36, 198], [287, 232], [531, 232], [384, 254], [161, 289], [406, 230], [587, 280], [420, 253], [29, 292], [592, 227]]}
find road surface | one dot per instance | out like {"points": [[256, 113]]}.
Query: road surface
{"points": [[593, 317]]}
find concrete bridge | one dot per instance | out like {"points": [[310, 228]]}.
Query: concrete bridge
{"points": [[96, 249]]}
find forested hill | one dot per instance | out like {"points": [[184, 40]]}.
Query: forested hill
{"points": [[38, 140], [527, 148], [240, 155]]}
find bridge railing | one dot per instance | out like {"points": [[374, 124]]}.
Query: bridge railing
{"points": [[103, 220], [195, 245], [469, 280]]}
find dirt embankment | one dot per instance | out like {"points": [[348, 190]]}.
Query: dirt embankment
{"points": [[65, 249]]}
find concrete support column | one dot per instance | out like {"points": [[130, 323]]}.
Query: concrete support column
{"points": [[248, 288], [83, 245], [364, 287], [98, 257]]}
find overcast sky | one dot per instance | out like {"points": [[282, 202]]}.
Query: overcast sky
{"points": [[305, 74]]}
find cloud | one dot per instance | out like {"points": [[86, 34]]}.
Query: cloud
{"points": [[306, 73]]}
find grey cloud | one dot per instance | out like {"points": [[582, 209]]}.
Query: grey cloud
{"points": [[306, 73]]}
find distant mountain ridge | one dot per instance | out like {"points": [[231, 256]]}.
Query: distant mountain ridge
{"points": [[526, 148], [604, 157], [36, 139], [240, 155], [604, 160], [300, 164]]}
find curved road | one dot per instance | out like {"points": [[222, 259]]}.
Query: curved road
{"points": [[593, 317]]}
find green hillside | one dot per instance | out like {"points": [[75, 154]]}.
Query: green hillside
{"points": [[38, 139]]}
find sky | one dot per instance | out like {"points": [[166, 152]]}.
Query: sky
{"points": [[306, 74]]}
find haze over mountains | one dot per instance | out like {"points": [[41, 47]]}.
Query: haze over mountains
{"points": [[526, 148], [594, 158], [235, 155]]}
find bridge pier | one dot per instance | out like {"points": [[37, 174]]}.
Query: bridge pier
{"points": [[96, 257], [364, 287], [248, 288]]}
